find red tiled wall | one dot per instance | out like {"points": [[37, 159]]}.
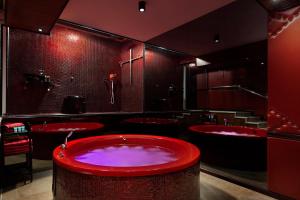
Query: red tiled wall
{"points": [[64, 54], [284, 70], [284, 165], [132, 95], [89, 59], [284, 98]]}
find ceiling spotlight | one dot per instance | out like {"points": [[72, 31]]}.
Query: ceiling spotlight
{"points": [[40, 30], [142, 6], [217, 39]]}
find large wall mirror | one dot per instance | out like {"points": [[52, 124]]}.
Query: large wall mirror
{"points": [[230, 81]]}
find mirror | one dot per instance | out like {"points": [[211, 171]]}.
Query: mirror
{"points": [[231, 86]]}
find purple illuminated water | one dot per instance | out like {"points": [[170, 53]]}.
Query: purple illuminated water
{"points": [[126, 156], [233, 133]]}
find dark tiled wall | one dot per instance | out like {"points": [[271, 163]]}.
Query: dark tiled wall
{"points": [[162, 70], [244, 65], [77, 62], [252, 78]]}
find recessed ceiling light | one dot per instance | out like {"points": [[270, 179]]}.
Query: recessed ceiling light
{"points": [[40, 30], [192, 65], [217, 38], [142, 6]]}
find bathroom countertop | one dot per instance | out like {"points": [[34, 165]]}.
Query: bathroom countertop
{"points": [[87, 114]]}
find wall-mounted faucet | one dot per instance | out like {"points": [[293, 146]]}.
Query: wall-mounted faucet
{"points": [[225, 122], [41, 78], [123, 138]]}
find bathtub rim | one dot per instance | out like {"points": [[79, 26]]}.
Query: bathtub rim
{"points": [[259, 133], [191, 157]]}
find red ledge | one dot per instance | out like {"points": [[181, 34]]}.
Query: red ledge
{"points": [[152, 120], [66, 127]]}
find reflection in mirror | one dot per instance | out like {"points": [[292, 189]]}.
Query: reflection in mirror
{"points": [[233, 74], [163, 79], [228, 87]]}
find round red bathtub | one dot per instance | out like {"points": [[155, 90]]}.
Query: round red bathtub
{"points": [[159, 126], [235, 147], [48, 136], [127, 167]]}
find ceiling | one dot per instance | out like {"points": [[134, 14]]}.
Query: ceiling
{"points": [[123, 18], [239, 23]]}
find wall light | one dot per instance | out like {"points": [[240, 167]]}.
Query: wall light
{"points": [[40, 30], [142, 6], [201, 62], [73, 37]]}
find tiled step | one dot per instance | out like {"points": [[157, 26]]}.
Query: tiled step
{"points": [[242, 114], [239, 118], [246, 119], [179, 117], [259, 124], [253, 119], [249, 118]]}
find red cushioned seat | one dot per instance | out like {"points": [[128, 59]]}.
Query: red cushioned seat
{"points": [[12, 125]]}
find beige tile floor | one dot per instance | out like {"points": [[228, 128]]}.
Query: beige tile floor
{"points": [[212, 188]]}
